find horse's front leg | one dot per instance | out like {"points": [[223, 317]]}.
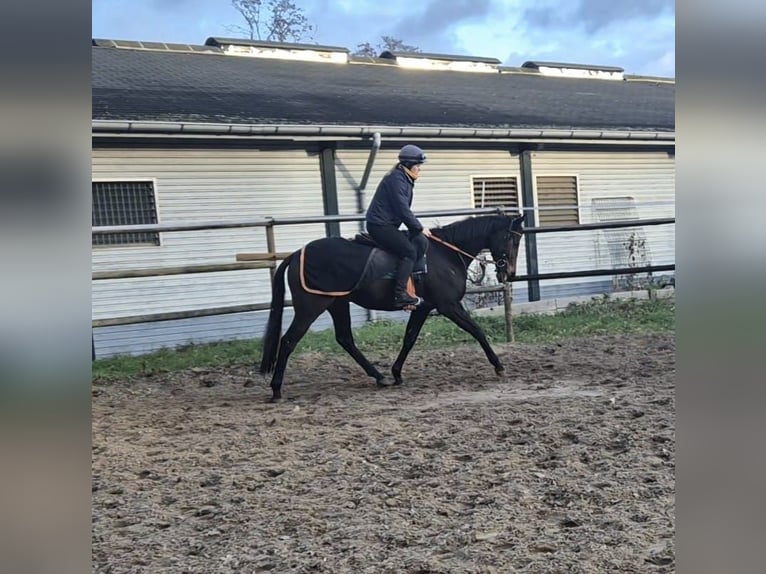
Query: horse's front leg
{"points": [[458, 315], [414, 324]]}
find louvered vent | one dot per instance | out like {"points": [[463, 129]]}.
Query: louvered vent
{"points": [[495, 191], [553, 194]]}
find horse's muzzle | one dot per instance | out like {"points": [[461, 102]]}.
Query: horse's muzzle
{"points": [[503, 272]]}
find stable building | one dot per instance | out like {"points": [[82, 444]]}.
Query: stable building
{"points": [[238, 130]]}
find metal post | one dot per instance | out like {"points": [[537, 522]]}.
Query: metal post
{"points": [[530, 240], [329, 189]]}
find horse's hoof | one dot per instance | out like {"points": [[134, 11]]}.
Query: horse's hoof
{"points": [[398, 381], [274, 400], [500, 371], [383, 382]]}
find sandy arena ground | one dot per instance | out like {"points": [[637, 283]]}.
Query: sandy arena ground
{"points": [[566, 465]]}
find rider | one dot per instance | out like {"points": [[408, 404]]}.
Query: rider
{"points": [[389, 208]]}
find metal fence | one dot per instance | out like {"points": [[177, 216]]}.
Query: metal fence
{"points": [[268, 260]]}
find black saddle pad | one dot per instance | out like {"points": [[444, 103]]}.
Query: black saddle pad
{"points": [[338, 266]]}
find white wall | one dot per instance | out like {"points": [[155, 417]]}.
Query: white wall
{"points": [[236, 184], [193, 186], [647, 176]]}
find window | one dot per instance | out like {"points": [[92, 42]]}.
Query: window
{"points": [[124, 203], [495, 191], [557, 192]]}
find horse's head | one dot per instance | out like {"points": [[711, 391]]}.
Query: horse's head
{"points": [[504, 246]]}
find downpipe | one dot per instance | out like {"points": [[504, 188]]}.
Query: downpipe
{"points": [[361, 196]]}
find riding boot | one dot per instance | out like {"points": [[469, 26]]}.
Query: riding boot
{"points": [[403, 272]]}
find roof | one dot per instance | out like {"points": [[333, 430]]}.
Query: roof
{"points": [[144, 85]]}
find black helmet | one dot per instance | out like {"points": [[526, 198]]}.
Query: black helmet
{"points": [[411, 155]]}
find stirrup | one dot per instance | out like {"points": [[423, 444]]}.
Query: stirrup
{"points": [[408, 302]]}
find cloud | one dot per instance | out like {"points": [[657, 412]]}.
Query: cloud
{"points": [[615, 45], [174, 4], [593, 15], [433, 28]]}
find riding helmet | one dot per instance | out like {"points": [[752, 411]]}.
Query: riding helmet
{"points": [[411, 155]]}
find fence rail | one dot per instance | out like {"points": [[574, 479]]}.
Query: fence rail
{"points": [[268, 260]]}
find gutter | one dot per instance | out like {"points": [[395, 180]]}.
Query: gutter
{"points": [[122, 128]]}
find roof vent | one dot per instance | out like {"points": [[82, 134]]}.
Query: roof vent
{"points": [[153, 46], [563, 70], [425, 61], [280, 50]]}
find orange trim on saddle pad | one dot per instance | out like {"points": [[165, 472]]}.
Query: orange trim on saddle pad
{"points": [[307, 289]]}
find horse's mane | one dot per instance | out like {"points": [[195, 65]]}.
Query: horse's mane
{"points": [[471, 228]]}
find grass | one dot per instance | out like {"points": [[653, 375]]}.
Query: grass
{"points": [[598, 317]]}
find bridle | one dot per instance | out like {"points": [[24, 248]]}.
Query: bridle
{"points": [[500, 263]]}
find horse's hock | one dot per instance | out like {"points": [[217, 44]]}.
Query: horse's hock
{"points": [[567, 465]]}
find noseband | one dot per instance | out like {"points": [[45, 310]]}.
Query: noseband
{"points": [[502, 262]]}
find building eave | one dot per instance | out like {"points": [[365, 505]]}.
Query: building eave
{"points": [[112, 128]]}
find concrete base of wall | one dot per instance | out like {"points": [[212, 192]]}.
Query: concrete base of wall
{"points": [[556, 305]]}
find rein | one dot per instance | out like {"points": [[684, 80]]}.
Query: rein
{"points": [[456, 248]]}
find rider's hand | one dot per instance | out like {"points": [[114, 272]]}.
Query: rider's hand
{"points": [[426, 232]]}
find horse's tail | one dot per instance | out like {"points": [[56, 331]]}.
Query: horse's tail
{"points": [[274, 326]]}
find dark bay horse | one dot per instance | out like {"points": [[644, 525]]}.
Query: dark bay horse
{"points": [[442, 288]]}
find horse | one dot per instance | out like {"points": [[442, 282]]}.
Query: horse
{"points": [[451, 250]]}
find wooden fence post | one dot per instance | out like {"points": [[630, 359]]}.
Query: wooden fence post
{"points": [[507, 299], [271, 248]]}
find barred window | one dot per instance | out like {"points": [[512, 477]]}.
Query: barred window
{"points": [[124, 203], [557, 192], [495, 191]]}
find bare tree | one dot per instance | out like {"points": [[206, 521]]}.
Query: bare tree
{"points": [[366, 49], [277, 20], [287, 22], [251, 12], [388, 43]]}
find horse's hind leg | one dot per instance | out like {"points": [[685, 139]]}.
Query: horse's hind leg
{"points": [[415, 323], [305, 315], [341, 317]]}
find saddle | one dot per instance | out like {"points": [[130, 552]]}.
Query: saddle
{"points": [[365, 238]]}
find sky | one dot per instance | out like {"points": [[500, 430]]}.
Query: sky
{"points": [[637, 35]]}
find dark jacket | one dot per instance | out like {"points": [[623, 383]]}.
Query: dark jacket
{"points": [[392, 200]]}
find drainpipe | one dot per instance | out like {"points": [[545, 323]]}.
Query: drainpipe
{"points": [[361, 198], [360, 192]]}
